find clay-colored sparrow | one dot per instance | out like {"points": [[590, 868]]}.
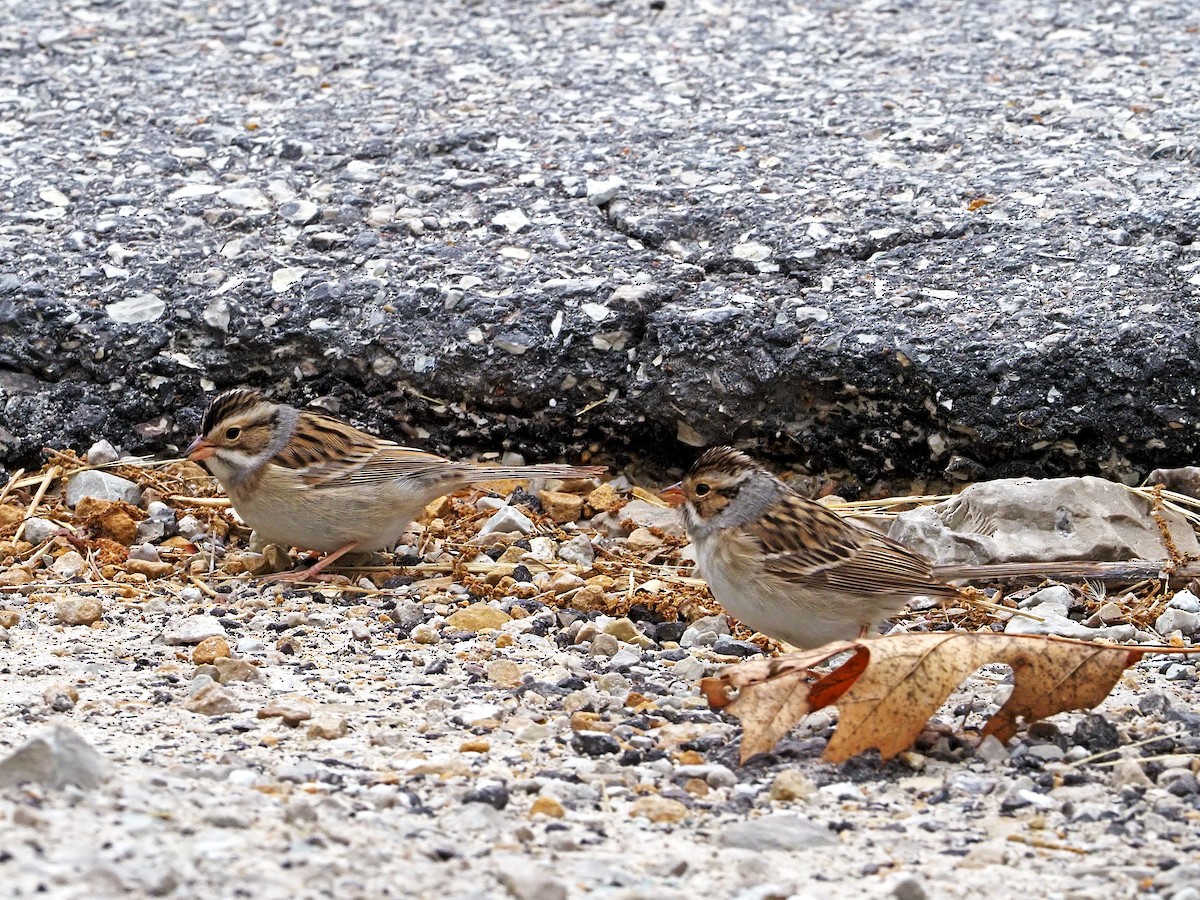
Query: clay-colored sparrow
{"points": [[305, 480], [797, 571]]}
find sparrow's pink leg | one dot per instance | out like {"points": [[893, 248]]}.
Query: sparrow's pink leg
{"points": [[313, 572]]}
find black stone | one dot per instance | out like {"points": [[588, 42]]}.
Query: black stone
{"points": [[594, 743], [494, 795], [727, 646], [1097, 734]]}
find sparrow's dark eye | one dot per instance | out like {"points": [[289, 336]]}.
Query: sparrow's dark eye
{"points": [[701, 489], [232, 433]]}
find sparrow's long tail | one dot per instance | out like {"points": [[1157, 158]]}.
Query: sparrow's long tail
{"points": [[476, 473], [1128, 570]]}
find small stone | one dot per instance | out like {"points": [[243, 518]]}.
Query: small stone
{"points": [[504, 673], [791, 785], [234, 669], [493, 793], [292, 712], [704, 631], [475, 745], [211, 699], [11, 515], [143, 553], [478, 617], [594, 743], [1172, 619], [507, 519], [102, 453], [644, 514], [134, 310], [210, 649], [603, 190], [476, 713], [9, 618], [547, 805], [1097, 734], [37, 530], [299, 212], [327, 727], [781, 831], [728, 646], [623, 629], [1128, 773], [908, 888], [15, 576], [192, 630], [578, 551], [102, 486], [643, 540], [526, 881], [245, 197], [78, 611], [54, 760], [688, 669], [589, 597], [1184, 600], [69, 565], [658, 809], [560, 507], [604, 498], [424, 633], [286, 278], [60, 697], [991, 750], [110, 518], [560, 582], [149, 568], [604, 645]]}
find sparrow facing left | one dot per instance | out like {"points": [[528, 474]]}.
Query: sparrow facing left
{"points": [[306, 480], [794, 569]]}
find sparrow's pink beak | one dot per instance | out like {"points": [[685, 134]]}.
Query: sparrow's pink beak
{"points": [[673, 494], [200, 449]]}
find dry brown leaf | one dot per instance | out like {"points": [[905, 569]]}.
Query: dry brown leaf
{"points": [[890, 686]]}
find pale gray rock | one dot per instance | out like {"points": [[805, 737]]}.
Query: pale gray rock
{"points": [[192, 630], [102, 486], [1047, 614], [1037, 520], [507, 519], [642, 514], [101, 453], [577, 550], [55, 759], [688, 669], [776, 832], [524, 881], [1186, 623], [1184, 600], [38, 530]]}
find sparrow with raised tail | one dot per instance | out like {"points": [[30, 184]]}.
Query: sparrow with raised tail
{"points": [[797, 571], [305, 480]]}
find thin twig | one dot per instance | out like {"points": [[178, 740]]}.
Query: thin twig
{"points": [[1149, 740], [51, 473], [11, 485], [1145, 759]]}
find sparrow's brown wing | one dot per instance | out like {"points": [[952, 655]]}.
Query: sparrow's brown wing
{"points": [[805, 543], [332, 453]]}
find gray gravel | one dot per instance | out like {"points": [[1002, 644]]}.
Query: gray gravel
{"points": [[882, 236], [359, 761]]}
